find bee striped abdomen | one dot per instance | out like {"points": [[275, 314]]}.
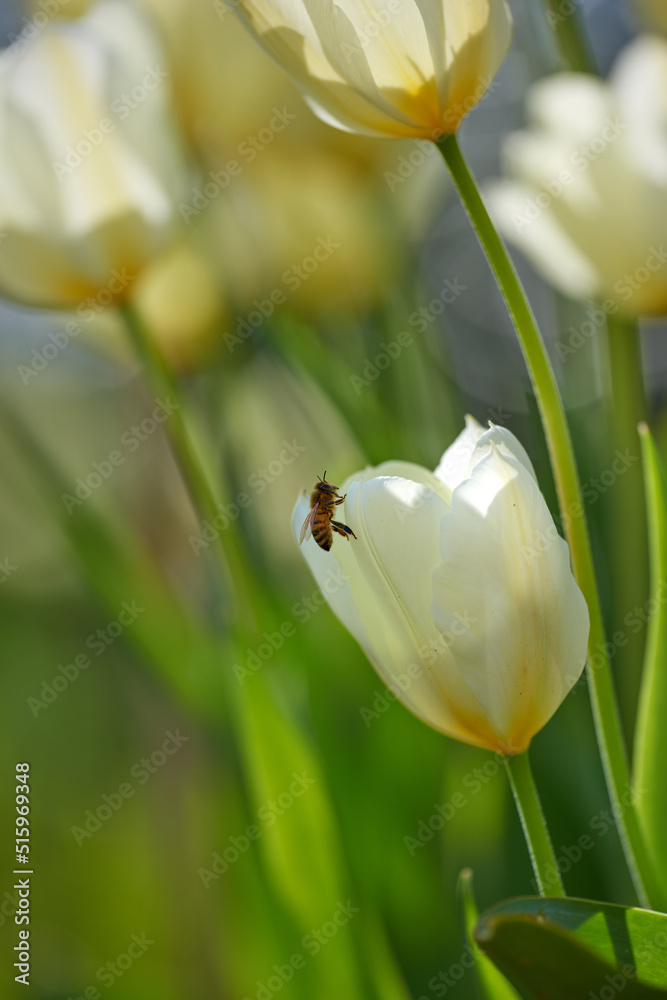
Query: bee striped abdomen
{"points": [[323, 534], [319, 523]]}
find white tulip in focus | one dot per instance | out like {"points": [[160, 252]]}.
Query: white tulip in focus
{"points": [[459, 589], [586, 194], [92, 167], [399, 68]]}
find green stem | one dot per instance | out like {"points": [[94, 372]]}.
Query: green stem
{"points": [[627, 540], [203, 495], [650, 788], [570, 37], [534, 826], [603, 698]]}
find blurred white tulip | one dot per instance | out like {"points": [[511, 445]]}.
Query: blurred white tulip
{"points": [[180, 302], [459, 589], [398, 68], [586, 198], [92, 168]]}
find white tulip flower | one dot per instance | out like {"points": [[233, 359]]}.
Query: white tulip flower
{"points": [[459, 589], [92, 165], [586, 194], [398, 68]]}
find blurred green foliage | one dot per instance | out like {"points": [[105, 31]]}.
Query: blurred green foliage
{"points": [[210, 856]]}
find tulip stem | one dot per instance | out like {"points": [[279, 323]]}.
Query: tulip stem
{"points": [[570, 37], [195, 476], [573, 515], [536, 832], [627, 537]]}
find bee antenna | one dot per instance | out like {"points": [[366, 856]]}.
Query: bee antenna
{"points": [[324, 477]]}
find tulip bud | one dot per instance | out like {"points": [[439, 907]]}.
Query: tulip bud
{"points": [[397, 68], [586, 190], [459, 589], [92, 165]]}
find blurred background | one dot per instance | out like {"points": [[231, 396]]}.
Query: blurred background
{"points": [[271, 792]]}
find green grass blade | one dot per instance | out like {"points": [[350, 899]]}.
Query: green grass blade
{"points": [[650, 751], [490, 983], [296, 832], [117, 568]]}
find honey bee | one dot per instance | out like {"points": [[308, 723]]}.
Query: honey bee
{"points": [[320, 523]]}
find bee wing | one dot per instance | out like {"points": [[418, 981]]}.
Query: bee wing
{"points": [[307, 528]]}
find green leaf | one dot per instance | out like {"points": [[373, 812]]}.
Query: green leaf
{"points": [[491, 984], [650, 751], [296, 830], [297, 834], [116, 565], [566, 949]]}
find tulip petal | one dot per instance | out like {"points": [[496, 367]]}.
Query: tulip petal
{"points": [[332, 579], [409, 71], [588, 202], [506, 443], [385, 57], [389, 567], [453, 466], [477, 37], [501, 554], [551, 100], [286, 30], [92, 184], [470, 447], [544, 242], [402, 470]]}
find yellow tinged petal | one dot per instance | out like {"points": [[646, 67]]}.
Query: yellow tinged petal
{"points": [[398, 68], [463, 600]]}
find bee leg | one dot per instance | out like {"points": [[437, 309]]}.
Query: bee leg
{"points": [[342, 529]]}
